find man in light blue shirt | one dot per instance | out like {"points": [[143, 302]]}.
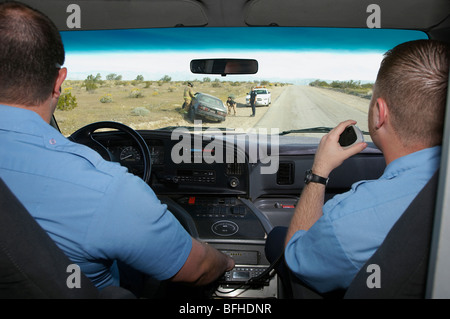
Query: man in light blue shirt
{"points": [[94, 210], [355, 223], [326, 245]]}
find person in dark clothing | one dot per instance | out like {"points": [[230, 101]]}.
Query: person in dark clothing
{"points": [[252, 101], [231, 104]]}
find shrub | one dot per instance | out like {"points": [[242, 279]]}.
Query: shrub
{"points": [[67, 101], [216, 83], [319, 83], [166, 78], [91, 82], [136, 93], [106, 98], [140, 111], [90, 86], [113, 77]]}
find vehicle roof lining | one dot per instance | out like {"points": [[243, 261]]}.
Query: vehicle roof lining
{"points": [[410, 14], [424, 15], [121, 14]]}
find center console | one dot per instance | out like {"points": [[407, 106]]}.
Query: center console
{"points": [[219, 219], [233, 227]]}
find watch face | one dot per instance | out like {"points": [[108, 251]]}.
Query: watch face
{"points": [[308, 176]]}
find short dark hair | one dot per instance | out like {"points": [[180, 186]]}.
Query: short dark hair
{"points": [[31, 53], [413, 80]]}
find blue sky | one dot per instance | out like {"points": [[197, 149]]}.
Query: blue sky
{"points": [[283, 53]]}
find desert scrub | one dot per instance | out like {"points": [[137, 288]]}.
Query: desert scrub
{"points": [[106, 98], [140, 111], [67, 101], [216, 83], [91, 82], [136, 93], [147, 84]]}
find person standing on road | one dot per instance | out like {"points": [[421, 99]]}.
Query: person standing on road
{"points": [[188, 96], [253, 100]]}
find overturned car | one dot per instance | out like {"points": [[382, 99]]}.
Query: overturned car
{"points": [[208, 107]]}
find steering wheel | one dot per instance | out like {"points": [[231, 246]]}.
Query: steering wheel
{"points": [[85, 136]]}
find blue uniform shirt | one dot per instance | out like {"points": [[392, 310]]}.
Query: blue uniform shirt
{"points": [[93, 209], [354, 224]]}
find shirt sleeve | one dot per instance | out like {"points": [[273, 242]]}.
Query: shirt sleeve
{"points": [[317, 258], [134, 227]]}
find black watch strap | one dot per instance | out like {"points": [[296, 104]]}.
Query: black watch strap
{"points": [[311, 177]]}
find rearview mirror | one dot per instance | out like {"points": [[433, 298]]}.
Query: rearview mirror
{"points": [[224, 66]]}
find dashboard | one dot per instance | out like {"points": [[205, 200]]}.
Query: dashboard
{"points": [[198, 171], [221, 197]]}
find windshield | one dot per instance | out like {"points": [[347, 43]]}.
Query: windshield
{"points": [[209, 100], [310, 77], [260, 91]]}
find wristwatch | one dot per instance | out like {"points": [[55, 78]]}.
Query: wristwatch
{"points": [[310, 177]]}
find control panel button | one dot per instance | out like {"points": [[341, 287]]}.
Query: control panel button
{"points": [[225, 228]]}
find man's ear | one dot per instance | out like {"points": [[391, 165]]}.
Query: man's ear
{"points": [[381, 112], [62, 73]]}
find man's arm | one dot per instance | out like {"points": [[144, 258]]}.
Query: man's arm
{"points": [[329, 155], [203, 265], [308, 209]]}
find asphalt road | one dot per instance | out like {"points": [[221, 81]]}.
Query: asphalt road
{"points": [[304, 107]]}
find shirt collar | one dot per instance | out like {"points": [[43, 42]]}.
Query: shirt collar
{"points": [[411, 161], [23, 121]]}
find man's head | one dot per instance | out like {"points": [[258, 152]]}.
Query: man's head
{"points": [[412, 83], [31, 55]]}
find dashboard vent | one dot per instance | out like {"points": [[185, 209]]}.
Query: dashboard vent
{"points": [[286, 173], [235, 169], [238, 165]]}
